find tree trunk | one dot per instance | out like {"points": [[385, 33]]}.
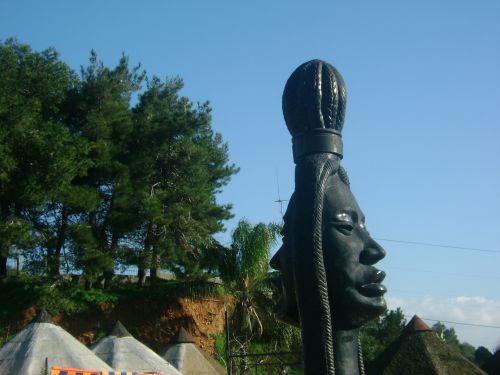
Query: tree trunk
{"points": [[141, 275], [54, 260], [4, 251], [155, 268], [3, 266], [149, 246], [108, 275], [108, 278]]}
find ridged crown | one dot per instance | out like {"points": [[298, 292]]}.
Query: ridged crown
{"points": [[314, 108], [314, 98]]}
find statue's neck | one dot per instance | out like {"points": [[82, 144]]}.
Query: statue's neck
{"points": [[345, 347]]}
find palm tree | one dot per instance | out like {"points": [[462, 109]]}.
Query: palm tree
{"points": [[244, 269]]}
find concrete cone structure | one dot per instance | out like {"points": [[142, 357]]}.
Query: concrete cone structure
{"points": [[123, 352], [419, 351], [188, 358], [41, 345]]}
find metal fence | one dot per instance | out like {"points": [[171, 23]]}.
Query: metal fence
{"points": [[264, 363], [16, 266], [271, 363]]}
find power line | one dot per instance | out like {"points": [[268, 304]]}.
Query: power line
{"points": [[427, 294], [460, 323], [483, 276], [439, 245]]}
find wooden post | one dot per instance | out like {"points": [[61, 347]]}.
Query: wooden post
{"points": [[229, 359]]}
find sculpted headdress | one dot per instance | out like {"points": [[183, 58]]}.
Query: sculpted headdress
{"points": [[314, 102]]}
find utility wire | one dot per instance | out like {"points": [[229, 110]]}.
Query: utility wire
{"points": [[438, 245], [483, 276], [427, 294], [461, 323]]}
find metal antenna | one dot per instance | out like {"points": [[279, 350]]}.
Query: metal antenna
{"points": [[279, 200]]}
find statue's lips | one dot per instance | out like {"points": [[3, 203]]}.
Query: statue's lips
{"points": [[372, 289]]}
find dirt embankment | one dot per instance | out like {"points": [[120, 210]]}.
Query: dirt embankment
{"points": [[152, 322]]}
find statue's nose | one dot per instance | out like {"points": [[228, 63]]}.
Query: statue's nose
{"points": [[372, 253]]}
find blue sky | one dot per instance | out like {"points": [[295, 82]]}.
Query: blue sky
{"points": [[422, 130]]}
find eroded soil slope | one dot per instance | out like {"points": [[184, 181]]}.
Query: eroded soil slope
{"points": [[153, 322]]}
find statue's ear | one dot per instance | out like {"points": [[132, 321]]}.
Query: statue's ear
{"points": [[275, 261], [287, 309]]}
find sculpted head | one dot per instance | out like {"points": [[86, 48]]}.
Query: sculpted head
{"points": [[350, 253], [323, 220]]}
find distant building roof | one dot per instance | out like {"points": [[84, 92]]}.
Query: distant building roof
{"points": [[182, 336], [188, 358], [419, 351], [42, 316], [41, 344], [122, 351], [416, 325], [119, 330]]}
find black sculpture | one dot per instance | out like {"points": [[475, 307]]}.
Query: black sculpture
{"points": [[329, 286]]}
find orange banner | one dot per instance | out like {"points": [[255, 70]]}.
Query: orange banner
{"points": [[75, 371], [72, 371]]}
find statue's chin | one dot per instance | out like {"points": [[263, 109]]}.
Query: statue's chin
{"points": [[357, 309]]}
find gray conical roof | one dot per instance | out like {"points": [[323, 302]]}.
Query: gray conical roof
{"points": [[182, 336], [119, 330], [42, 316], [42, 339], [122, 351], [191, 360]]}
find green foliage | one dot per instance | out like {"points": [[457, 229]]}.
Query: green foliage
{"points": [[220, 347], [16, 232], [38, 154], [85, 174], [247, 260], [449, 336], [179, 165], [29, 291], [379, 333], [60, 297], [244, 268], [467, 350], [95, 297], [65, 297], [194, 289], [482, 355], [55, 300]]}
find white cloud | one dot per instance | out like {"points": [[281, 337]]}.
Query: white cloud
{"points": [[464, 309]]}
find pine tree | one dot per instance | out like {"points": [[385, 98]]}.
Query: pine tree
{"points": [[178, 167], [38, 158], [84, 174], [99, 111]]}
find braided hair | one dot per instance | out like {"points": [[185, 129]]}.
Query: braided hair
{"points": [[314, 108]]}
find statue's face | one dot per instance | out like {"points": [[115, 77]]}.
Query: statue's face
{"points": [[354, 284]]}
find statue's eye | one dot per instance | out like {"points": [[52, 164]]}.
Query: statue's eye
{"points": [[344, 223], [362, 224]]}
